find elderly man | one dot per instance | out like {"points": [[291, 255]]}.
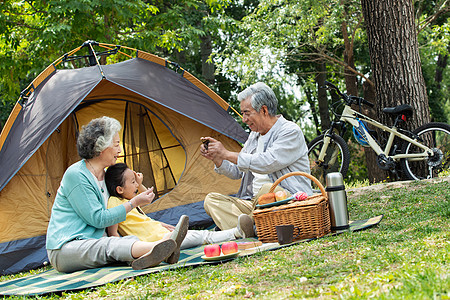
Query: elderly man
{"points": [[274, 148]]}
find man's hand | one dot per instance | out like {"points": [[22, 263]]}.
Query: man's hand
{"points": [[212, 150], [217, 152]]}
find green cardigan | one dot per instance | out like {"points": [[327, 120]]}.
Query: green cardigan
{"points": [[79, 211]]}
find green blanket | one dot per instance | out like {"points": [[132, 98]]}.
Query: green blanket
{"points": [[52, 281]]}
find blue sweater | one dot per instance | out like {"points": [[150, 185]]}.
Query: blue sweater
{"points": [[79, 211]]}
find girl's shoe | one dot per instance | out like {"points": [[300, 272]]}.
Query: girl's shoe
{"points": [[178, 235]]}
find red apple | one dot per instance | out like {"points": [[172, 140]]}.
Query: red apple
{"points": [[229, 247], [212, 250]]}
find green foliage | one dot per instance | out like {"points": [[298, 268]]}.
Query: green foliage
{"points": [[34, 33], [281, 42], [357, 170], [434, 52], [5, 108]]}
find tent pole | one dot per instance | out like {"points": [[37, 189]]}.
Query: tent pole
{"points": [[96, 59]]}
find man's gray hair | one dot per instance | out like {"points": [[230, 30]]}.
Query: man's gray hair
{"points": [[260, 94], [96, 136]]}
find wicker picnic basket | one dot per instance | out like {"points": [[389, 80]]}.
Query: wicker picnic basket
{"points": [[312, 215]]}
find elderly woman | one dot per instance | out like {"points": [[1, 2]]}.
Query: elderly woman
{"points": [[76, 236]]}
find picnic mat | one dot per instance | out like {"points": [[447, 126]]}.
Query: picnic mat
{"points": [[51, 281]]}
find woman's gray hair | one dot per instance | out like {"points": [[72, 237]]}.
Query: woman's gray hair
{"points": [[96, 136], [261, 94]]}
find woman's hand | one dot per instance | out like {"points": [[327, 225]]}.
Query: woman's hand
{"points": [[143, 198]]}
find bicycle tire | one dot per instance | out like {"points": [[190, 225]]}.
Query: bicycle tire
{"points": [[341, 164], [436, 136]]}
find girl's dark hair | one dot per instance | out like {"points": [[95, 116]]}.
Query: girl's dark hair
{"points": [[114, 178]]}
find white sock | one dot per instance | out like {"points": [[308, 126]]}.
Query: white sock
{"points": [[237, 233]]}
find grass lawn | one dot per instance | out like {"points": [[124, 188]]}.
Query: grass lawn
{"points": [[405, 257]]}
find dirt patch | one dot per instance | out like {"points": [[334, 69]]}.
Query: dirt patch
{"points": [[390, 185]]}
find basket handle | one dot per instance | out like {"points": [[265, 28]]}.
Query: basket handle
{"points": [[274, 185]]}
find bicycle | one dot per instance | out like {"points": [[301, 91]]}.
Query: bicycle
{"points": [[421, 153]]}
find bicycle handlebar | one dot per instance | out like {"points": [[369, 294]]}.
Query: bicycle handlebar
{"points": [[348, 99], [364, 101]]}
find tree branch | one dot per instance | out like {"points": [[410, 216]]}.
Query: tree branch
{"points": [[35, 10], [444, 8], [337, 61], [22, 24], [361, 18]]}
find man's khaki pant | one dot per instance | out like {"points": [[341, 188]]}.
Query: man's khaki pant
{"points": [[225, 210]]}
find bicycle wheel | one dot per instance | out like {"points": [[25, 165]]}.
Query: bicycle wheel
{"points": [[337, 158], [435, 136]]}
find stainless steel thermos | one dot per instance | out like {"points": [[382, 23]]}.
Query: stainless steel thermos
{"points": [[337, 198]]}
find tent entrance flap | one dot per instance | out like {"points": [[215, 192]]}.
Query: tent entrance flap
{"points": [[143, 151], [148, 145]]}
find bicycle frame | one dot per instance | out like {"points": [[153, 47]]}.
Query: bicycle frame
{"points": [[350, 116]]}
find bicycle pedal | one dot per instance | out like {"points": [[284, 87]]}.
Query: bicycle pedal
{"points": [[386, 163]]}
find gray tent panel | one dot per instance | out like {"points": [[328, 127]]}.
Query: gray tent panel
{"points": [[52, 102], [47, 107], [170, 89]]}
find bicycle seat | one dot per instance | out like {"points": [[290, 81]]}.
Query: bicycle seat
{"points": [[404, 109]]}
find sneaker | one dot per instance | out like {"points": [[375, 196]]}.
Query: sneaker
{"points": [[155, 256], [178, 235], [245, 226]]}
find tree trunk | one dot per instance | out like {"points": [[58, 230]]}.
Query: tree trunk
{"points": [[206, 50], [435, 100], [180, 57], [395, 61], [313, 109], [102, 60], [394, 56], [374, 173], [351, 83], [441, 64], [322, 97]]}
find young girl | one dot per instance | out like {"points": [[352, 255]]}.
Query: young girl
{"points": [[123, 184]]}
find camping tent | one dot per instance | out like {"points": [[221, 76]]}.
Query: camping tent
{"points": [[163, 112]]}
